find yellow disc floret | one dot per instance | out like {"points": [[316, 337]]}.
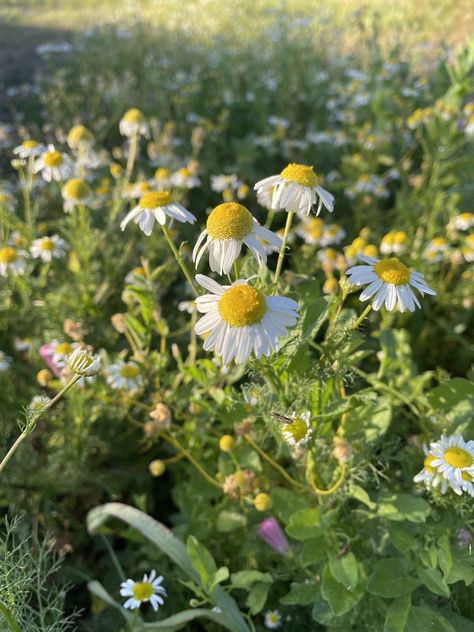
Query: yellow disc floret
{"points": [[242, 305], [302, 174], [8, 255], [427, 464], [262, 502], [142, 591], [154, 199], [134, 115], [129, 371], [47, 244], [230, 221], [392, 271], [297, 429], [79, 135], [76, 189], [53, 158], [457, 457], [226, 443], [162, 173], [29, 144]]}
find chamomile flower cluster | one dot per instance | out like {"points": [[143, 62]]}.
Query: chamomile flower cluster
{"points": [[148, 590], [449, 464]]}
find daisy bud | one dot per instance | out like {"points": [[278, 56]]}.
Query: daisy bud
{"points": [[226, 443], [44, 377], [18, 163], [331, 286], [83, 362], [157, 467], [342, 449], [262, 502]]}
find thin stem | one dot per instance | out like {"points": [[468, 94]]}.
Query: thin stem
{"points": [[30, 427], [270, 216], [236, 270], [176, 444], [273, 463], [357, 322], [132, 154], [326, 492], [281, 256], [179, 259]]}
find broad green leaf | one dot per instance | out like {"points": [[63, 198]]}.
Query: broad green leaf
{"points": [[245, 579], [400, 507], [301, 594], [304, 524], [444, 555], [423, 619], [228, 521], [434, 581], [9, 618], [257, 597], [361, 495], [314, 551], [336, 594], [202, 560], [221, 575], [181, 620], [397, 615], [344, 570], [285, 503], [391, 579], [447, 395], [462, 568]]}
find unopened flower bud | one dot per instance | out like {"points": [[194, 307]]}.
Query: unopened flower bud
{"points": [[157, 467], [342, 449], [226, 443], [44, 377], [262, 502]]}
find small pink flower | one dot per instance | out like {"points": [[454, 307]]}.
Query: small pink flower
{"points": [[271, 532], [46, 352]]}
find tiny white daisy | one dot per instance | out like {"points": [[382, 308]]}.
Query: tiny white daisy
{"points": [[60, 350], [183, 179], [389, 281], [148, 590], [54, 165], [394, 242], [12, 260], [464, 221], [429, 475], [5, 361], [76, 192], [296, 189], [28, 148], [134, 123], [80, 138], [436, 250], [124, 375], [311, 230], [298, 430], [156, 206], [48, 248], [228, 227], [162, 179], [240, 319], [454, 459], [332, 235], [272, 619], [83, 362]]}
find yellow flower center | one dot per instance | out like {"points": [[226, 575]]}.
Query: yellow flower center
{"points": [[8, 255], [76, 189], [142, 591], [53, 158], [400, 237], [47, 244], [370, 251], [457, 457], [229, 221], [297, 429], [134, 116], [29, 144], [427, 464], [302, 174], [242, 305], [439, 241], [465, 217], [359, 243], [129, 371], [79, 134], [63, 348], [392, 271], [154, 199], [162, 174], [183, 172]]}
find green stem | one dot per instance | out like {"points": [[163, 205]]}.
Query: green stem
{"points": [[30, 427], [236, 270], [176, 444], [357, 322], [179, 259], [281, 256], [273, 463], [132, 154]]}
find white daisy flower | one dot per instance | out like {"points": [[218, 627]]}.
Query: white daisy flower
{"points": [[222, 182], [296, 189], [436, 250], [80, 138], [28, 148], [124, 375], [228, 227], [134, 122], [83, 362], [59, 352], [136, 190], [311, 230], [429, 475], [240, 319], [463, 221], [5, 361], [54, 165], [162, 179], [394, 242], [329, 258], [264, 198], [332, 235], [467, 250], [272, 619], [76, 192], [184, 179], [48, 248], [12, 260], [149, 589], [156, 206], [454, 460], [389, 281], [298, 431]]}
